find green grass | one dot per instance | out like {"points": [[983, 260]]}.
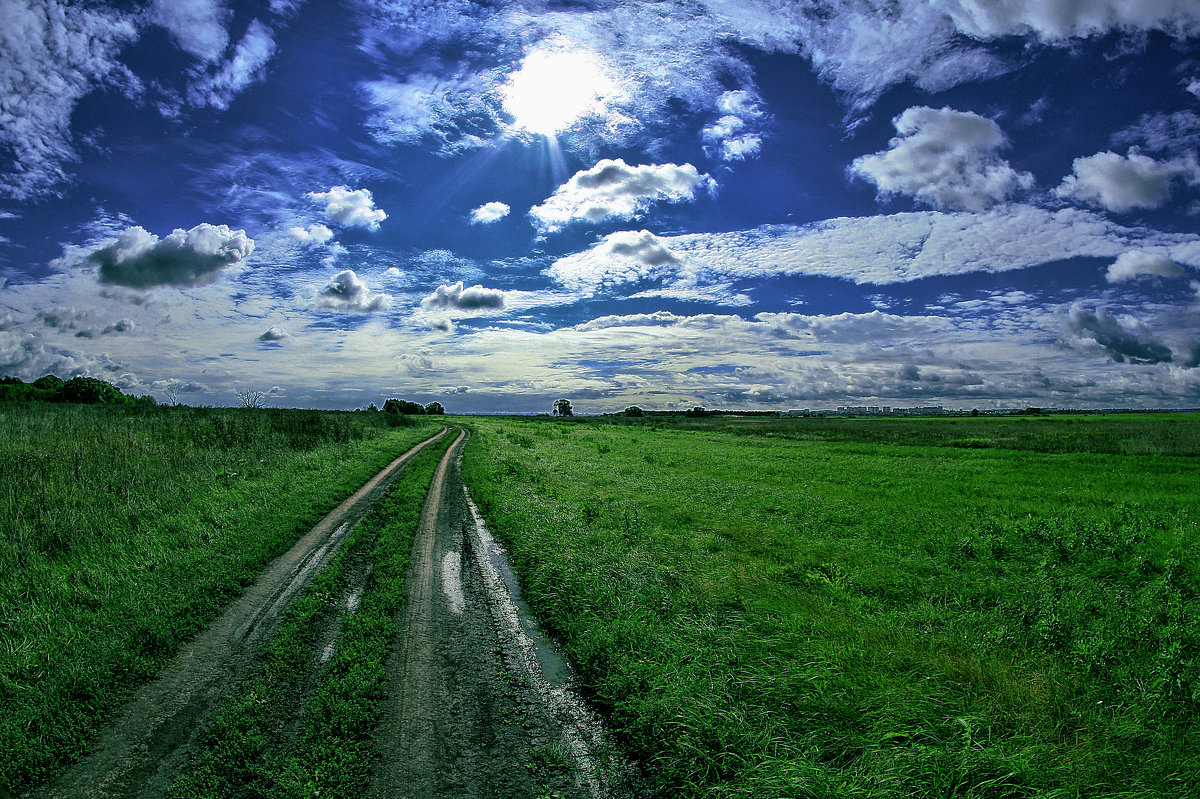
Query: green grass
{"points": [[127, 530], [777, 613], [289, 735], [1113, 434]]}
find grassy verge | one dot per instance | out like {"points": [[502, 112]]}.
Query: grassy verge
{"points": [[126, 530], [299, 729], [766, 616]]}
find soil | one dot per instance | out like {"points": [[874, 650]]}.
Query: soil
{"points": [[479, 703]]}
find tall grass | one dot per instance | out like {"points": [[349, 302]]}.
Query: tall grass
{"points": [[765, 616], [124, 531]]}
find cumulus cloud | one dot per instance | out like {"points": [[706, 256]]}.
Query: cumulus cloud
{"points": [[351, 208], [315, 233], [488, 213], [734, 136], [1135, 343], [464, 299], [197, 26], [1120, 183], [51, 55], [138, 259], [246, 65], [345, 291], [613, 189], [624, 257], [274, 333], [945, 159], [1141, 264]]}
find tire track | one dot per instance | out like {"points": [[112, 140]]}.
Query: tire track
{"points": [[470, 713], [140, 753]]}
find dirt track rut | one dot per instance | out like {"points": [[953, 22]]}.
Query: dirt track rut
{"points": [[141, 751], [472, 712]]}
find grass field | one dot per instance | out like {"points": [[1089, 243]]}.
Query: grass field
{"points": [[967, 607], [126, 530]]}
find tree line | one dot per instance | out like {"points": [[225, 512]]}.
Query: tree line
{"points": [[81, 390]]}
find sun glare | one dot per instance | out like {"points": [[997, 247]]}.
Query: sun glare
{"points": [[553, 89]]}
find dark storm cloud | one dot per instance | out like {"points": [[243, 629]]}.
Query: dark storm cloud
{"points": [[1135, 345]]}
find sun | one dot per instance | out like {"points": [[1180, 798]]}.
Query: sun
{"points": [[553, 89]]}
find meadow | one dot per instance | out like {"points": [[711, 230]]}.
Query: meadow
{"points": [[837, 607], [766, 607], [127, 529]]}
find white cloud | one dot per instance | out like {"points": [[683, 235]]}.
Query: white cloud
{"points": [[352, 208], [878, 250], [1054, 20], [1137, 264], [137, 258], [274, 333], [734, 135], [246, 65], [455, 112], [613, 189], [346, 291], [621, 258], [464, 299], [315, 233], [197, 26], [1193, 87], [488, 213], [51, 56], [945, 159], [1121, 183], [1175, 134]]}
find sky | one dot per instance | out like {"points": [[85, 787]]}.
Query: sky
{"points": [[745, 205]]}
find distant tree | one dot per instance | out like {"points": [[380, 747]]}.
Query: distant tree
{"points": [[434, 409], [172, 393], [403, 406], [372, 408], [974, 411], [248, 398], [89, 390], [696, 411], [562, 407], [48, 383], [634, 410]]}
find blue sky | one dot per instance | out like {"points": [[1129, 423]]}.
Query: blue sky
{"points": [[769, 205]]}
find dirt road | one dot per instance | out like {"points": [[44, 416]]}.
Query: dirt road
{"points": [[142, 750], [479, 702]]}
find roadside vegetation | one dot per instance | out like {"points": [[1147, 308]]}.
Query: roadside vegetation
{"points": [[301, 725], [830, 608], [127, 528]]}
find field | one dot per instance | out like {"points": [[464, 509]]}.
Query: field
{"points": [[757, 606], [126, 530], [967, 607]]}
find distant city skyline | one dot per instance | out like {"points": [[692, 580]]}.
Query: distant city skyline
{"points": [[755, 205]]}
